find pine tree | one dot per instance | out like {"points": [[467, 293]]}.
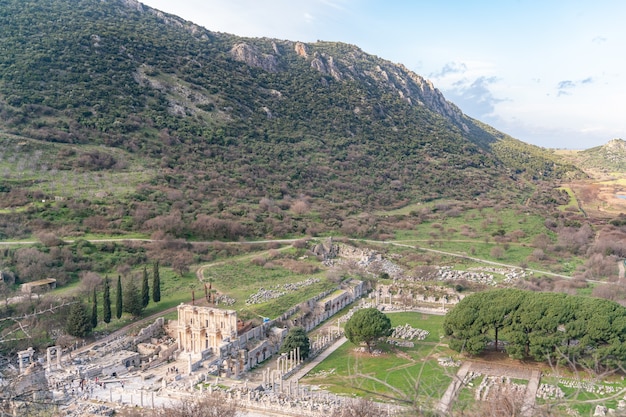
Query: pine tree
{"points": [[94, 311], [156, 283], [106, 302], [145, 289], [132, 299], [118, 300], [296, 338], [78, 322]]}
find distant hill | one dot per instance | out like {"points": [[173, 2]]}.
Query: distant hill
{"points": [[608, 158], [149, 115]]}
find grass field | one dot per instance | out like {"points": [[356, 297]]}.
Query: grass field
{"points": [[241, 278], [573, 201], [31, 163], [402, 375]]}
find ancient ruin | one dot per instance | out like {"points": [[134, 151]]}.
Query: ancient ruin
{"points": [[203, 328]]}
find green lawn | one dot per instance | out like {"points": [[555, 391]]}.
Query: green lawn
{"points": [[398, 374], [573, 202]]}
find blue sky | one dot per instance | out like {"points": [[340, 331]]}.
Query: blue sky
{"points": [[548, 72]]}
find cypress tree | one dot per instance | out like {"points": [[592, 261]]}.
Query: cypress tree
{"points": [[94, 311], [156, 283], [106, 302], [118, 300], [145, 289], [78, 322]]}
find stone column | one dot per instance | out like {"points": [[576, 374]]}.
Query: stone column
{"points": [[25, 356]]}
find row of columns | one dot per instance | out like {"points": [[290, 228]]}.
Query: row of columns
{"points": [[288, 361]]}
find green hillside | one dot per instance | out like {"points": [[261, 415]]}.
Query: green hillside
{"points": [[141, 119], [608, 158]]}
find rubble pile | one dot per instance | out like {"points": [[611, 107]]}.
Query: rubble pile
{"points": [[225, 300], [510, 274], [406, 332], [263, 295], [446, 273], [448, 362], [498, 384], [548, 391]]}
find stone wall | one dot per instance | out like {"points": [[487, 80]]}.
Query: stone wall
{"points": [[151, 331]]}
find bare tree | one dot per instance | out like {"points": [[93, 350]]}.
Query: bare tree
{"points": [[300, 207], [32, 264], [357, 408], [49, 239], [214, 405], [89, 281]]}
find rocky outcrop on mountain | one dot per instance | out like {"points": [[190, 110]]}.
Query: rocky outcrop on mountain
{"points": [[301, 50], [344, 63], [352, 64], [243, 52], [615, 151], [133, 4], [326, 65]]}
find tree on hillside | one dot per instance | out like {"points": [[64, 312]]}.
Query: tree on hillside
{"points": [[106, 302], [367, 325], [156, 283], [78, 321], [118, 300], [94, 311], [296, 338], [145, 289], [132, 299]]}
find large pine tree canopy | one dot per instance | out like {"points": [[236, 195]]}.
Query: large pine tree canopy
{"points": [[543, 326]]}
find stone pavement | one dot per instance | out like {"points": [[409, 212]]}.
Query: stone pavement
{"points": [[531, 393], [533, 376], [453, 388], [319, 358]]}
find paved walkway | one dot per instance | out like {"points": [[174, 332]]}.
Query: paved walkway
{"points": [[531, 393], [307, 368], [453, 388], [533, 376]]}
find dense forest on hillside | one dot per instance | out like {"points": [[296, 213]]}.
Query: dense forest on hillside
{"points": [[246, 134]]}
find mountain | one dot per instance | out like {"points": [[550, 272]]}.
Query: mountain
{"points": [[158, 116], [608, 158]]}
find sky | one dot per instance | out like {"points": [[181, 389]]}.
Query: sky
{"points": [[547, 72]]}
